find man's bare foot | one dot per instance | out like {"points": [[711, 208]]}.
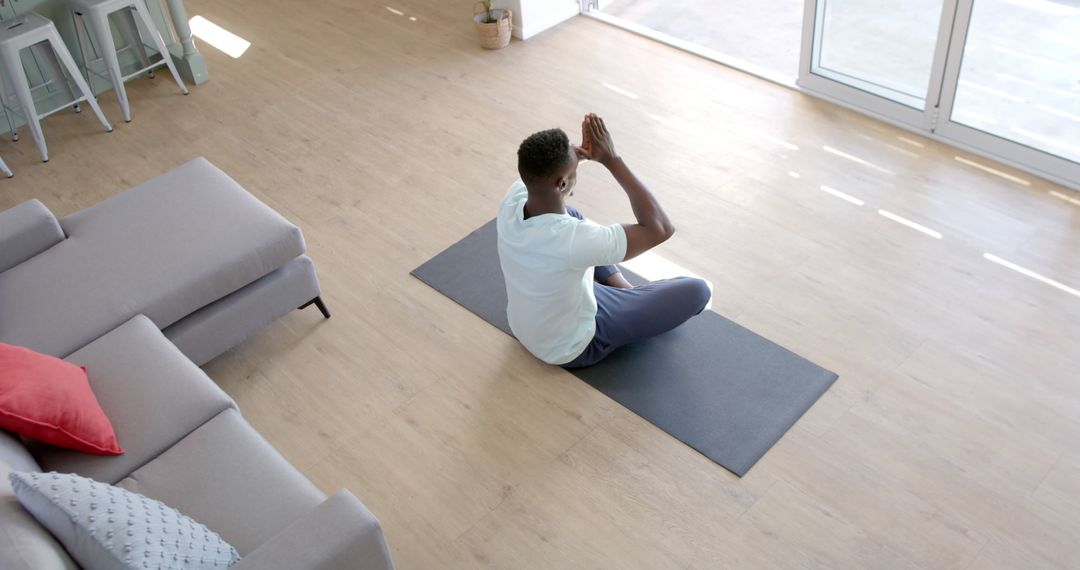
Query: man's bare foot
{"points": [[618, 281]]}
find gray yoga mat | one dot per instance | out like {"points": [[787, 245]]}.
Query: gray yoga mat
{"points": [[712, 384]]}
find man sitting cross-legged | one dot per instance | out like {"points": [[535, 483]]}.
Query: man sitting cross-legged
{"points": [[567, 302]]}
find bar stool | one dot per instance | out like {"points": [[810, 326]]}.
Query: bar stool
{"points": [[33, 30], [95, 18]]}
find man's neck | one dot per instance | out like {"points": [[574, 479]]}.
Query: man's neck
{"points": [[535, 206]]}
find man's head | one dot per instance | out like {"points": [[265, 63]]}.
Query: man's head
{"points": [[547, 163]]}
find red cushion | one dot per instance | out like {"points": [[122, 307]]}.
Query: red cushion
{"points": [[47, 399]]}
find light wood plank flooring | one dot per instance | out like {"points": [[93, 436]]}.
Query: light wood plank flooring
{"points": [[951, 440]]}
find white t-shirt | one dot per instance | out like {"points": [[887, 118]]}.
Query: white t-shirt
{"points": [[548, 262]]}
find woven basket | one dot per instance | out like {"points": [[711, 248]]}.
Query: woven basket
{"points": [[493, 35]]}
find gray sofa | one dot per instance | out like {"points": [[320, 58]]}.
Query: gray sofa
{"points": [[192, 250], [140, 289]]}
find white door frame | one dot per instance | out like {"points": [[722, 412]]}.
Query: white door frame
{"points": [[862, 95], [933, 120], [1040, 162]]}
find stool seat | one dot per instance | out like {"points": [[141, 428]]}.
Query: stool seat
{"points": [[32, 30], [27, 29], [110, 5]]}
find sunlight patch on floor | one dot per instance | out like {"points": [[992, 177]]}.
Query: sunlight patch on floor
{"points": [[842, 196], [1069, 199], [620, 90], [233, 45], [993, 171], [903, 151], [913, 225], [783, 143], [1029, 273], [855, 159]]}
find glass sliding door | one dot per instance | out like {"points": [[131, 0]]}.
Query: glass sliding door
{"points": [[877, 55], [995, 77], [1000, 77], [761, 37], [880, 46], [1012, 83]]}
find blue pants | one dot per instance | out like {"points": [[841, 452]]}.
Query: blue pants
{"points": [[628, 315]]}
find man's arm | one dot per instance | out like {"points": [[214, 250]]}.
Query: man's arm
{"points": [[653, 226]]}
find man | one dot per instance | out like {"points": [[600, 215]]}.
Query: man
{"points": [[567, 302]]}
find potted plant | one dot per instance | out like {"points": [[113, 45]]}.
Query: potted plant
{"points": [[493, 25]]}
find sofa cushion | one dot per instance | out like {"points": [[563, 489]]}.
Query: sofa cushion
{"points": [[14, 454], [25, 544], [25, 231], [107, 528], [49, 400], [164, 248], [151, 392], [228, 477]]}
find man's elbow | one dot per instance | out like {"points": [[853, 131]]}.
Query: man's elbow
{"points": [[668, 231], [662, 233]]}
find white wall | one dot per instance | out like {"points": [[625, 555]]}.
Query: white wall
{"points": [[534, 16]]}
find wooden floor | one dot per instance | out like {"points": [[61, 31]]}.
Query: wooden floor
{"points": [[951, 440]]}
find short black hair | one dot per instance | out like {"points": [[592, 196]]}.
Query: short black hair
{"points": [[542, 154]]}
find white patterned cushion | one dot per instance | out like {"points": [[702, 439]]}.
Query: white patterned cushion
{"points": [[106, 527]]}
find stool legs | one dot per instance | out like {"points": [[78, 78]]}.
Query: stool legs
{"points": [[48, 57], [59, 56], [98, 22], [130, 31], [99, 26], [41, 37], [159, 43], [4, 168], [85, 48], [6, 100], [73, 70], [26, 100]]}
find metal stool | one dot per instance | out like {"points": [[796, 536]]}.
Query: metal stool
{"points": [[95, 18], [34, 30]]}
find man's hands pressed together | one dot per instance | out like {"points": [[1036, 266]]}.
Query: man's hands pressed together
{"points": [[653, 226], [597, 141]]}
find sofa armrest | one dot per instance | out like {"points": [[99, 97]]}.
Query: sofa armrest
{"points": [[25, 231], [339, 534]]}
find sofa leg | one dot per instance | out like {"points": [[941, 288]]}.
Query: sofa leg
{"points": [[317, 301]]}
